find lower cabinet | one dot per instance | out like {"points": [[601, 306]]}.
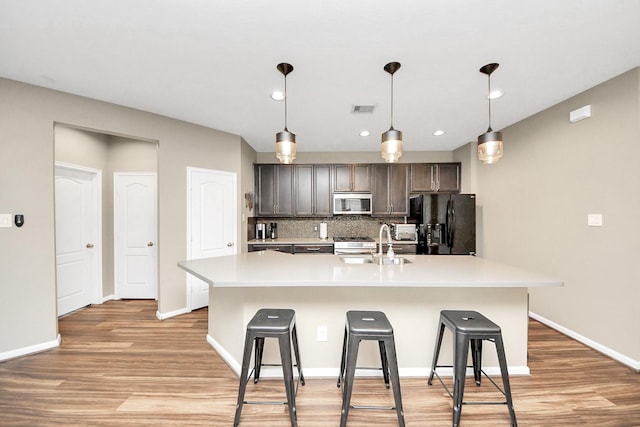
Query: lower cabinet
{"points": [[400, 248], [292, 248], [255, 247], [312, 249]]}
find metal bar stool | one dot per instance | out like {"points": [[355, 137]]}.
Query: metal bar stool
{"points": [[471, 327], [368, 325], [271, 323]]}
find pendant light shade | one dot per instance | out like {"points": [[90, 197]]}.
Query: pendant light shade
{"points": [[391, 148], [285, 140], [490, 142]]}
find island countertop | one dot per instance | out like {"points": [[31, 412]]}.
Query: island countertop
{"points": [[274, 269]]}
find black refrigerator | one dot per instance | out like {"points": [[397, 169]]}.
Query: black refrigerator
{"points": [[446, 223]]}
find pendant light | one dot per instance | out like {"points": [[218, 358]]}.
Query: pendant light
{"points": [[285, 140], [490, 142], [391, 148]]}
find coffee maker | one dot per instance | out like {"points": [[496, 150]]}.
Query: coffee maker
{"points": [[261, 231], [273, 230]]}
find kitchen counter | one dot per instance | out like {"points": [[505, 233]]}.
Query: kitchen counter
{"points": [[274, 269], [321, 289]]}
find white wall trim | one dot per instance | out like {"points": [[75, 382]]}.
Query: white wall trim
{"points": [[108, 298], [163, 316], [625, 360], [276, 372], [31, 349]]}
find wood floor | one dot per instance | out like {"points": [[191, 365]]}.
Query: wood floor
{"points": [[120, 366]]}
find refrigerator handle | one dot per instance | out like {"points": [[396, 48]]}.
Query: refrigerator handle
{"points": [[451, 221]]}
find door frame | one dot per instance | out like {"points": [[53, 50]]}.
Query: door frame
{"points": [[234, 177], [96, 288]]}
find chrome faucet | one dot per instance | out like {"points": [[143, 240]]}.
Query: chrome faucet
{"points": [[390, 252]]}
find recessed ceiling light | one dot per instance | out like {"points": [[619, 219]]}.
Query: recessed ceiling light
{"points": [[495, 94], [439, 132], [276, 95], [364, 133]]}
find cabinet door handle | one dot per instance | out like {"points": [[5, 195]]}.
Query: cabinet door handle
{"points": [[313, 249]]}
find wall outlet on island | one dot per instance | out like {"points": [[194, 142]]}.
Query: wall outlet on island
{"points": [[322, 333], [315, 227]]}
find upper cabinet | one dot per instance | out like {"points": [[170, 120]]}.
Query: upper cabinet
{"points": [[435, 177], [390, 191], [312, 190], [274, 190], [355, 177]]}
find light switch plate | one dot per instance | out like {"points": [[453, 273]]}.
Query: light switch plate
{"points": [[6, 220], [322, 333], [594, 220]]}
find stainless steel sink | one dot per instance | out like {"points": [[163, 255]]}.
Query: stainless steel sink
{"points": [[357, 260], [374, 260]]}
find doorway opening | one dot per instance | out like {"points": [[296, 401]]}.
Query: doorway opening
{"points": [[106, 154]]}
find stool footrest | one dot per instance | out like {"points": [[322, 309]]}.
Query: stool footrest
{"points": [[471, 403], [384, 408]]}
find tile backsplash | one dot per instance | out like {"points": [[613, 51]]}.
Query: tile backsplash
{"points": [[343, 226]]}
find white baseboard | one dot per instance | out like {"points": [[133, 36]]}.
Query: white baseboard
{"points": [[625, 360], [276, 372], [31, 349], [108, 298], [163, 316]]}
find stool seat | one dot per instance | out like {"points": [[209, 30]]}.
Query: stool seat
{"points": [[279, 323], [469, 322], [375, 326], [369, 323], [470, 328], [270, 320]]}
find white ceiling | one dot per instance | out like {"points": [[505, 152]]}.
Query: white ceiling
{"points": [[213, 62]]}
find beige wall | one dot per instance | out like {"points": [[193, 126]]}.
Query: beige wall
{"points": [[27, 117], [534, 205]]}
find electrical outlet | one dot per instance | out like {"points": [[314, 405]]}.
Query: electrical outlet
{"points": [[5, 220], [594, 220], [322, 332], [315, 228]]}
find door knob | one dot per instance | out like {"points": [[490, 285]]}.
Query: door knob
{"points": [[89, 245], [150, 244], [229, 244]]}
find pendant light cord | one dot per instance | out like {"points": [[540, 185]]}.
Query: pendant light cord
{"points": [[285, 102], [489, 96], [391, 101]]}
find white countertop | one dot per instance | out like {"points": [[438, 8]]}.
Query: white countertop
{"points": [[275, 269]]}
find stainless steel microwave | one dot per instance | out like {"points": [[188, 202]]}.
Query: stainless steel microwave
{"points": [[352, 204]]}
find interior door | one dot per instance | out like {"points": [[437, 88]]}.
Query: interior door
{"points": [[135, 241], [78, 237], [211, 224]]}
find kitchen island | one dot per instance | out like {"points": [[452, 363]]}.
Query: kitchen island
{"points": [[322, 288]]}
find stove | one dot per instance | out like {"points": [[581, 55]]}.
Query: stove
{"points": [[353, 245]]}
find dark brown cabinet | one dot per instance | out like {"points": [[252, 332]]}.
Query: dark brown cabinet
{"points": [[312, 190], [274, 190], [435, 177], [255, 247], [390, 190], [354, 177], [399, 248], [311, 249]]}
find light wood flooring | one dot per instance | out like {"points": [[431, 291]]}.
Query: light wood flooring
{"points": [[120, 366]]}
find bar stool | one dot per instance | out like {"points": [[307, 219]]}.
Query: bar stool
{"points": [[271, 323], [470, 327], [368, 325]]}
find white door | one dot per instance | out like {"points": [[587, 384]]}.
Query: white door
{"points": [[78, 237], [135, 229], [211, 224]]}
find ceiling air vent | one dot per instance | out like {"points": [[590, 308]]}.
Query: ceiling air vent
{"points": [[363, 109]]}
